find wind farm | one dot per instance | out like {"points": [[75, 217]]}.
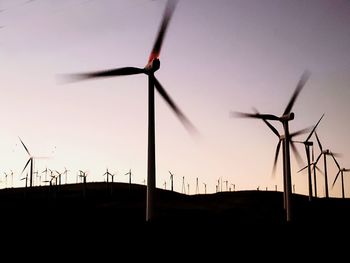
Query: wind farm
{"points": [[187, 152]]}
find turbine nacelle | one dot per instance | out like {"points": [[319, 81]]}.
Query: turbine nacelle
{"points": [[309, 143], [152, 66], [287, 117], [326, 152]]}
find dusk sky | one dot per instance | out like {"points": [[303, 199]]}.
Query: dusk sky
{"points": [[217, 57]]}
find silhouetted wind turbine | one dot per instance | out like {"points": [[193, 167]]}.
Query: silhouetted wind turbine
{"points": [[152, 66], [284, 119], [205, 188], [5, 179], [197, 187], [341, 172], [226, 182], [281, 140], [31, 161], [45, 171], [172, 181], [65, 174], [307, 143], [107, 174], [324, 153], [183, 185], [129, 173]]}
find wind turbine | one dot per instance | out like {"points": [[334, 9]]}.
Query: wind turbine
{"points": [[281, 140], [324, 153], [197, 187], [45, 171], [205, 188], [152, 66], [65, 173], [287, 116], [226, 182], [172, 181], [129, 173], [183, 185], [31, 161], [341, 172], [107, 173], [307, 143], [5, 179]]}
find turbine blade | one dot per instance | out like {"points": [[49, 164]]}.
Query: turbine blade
{"points": [[169, 10], [336, 177], [297, 155], [299, 87], [300, 132], [318, 158], [302, 169], [185, 121], [308, 137], [318, 141], [274, 130], [254, 115], [24, 146], [335, 161], [276, 158], [26, 165], [67, 78]]}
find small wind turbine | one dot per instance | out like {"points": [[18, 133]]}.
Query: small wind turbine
{"points": [[31, 161], [66, 174], [5, 179], [172, 181], [164, 184], [129, 173], [234, 187], [183, 185], [205, 188], [197, 187], [188, 188], [226, 182], [307, 143], [107, 174], [324, 153], [152, 66], [341, 172], [45, 171]]}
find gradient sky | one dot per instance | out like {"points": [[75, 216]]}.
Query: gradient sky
{"points": [[217, 56]]}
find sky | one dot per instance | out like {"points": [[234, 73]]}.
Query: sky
{"points": [[217, 57]]}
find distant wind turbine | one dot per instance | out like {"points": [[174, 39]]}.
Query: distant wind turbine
{"points": [[129, 173], [152, 66], [324, 153], [341, 172], [31, 161], [183, 185], [172, 181], [307, 143]]}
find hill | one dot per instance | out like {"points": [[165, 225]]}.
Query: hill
{"points": [[124, 203]]}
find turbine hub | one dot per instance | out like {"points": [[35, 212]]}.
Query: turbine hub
{"points": [[152, 66], [287, 117], [309, 143]]}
